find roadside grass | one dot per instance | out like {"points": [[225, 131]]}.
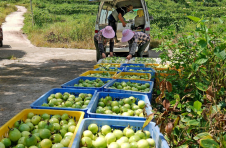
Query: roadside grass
{"points": [[65, 31], [5, 9], [12, 57]]}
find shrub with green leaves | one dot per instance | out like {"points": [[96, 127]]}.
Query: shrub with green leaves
{"points": [[191, 105]]}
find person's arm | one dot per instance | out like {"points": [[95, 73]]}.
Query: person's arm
{"points": [[132, 49], [121, 19], [101, 49]]}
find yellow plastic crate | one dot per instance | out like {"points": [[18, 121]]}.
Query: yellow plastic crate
{"points": [[23, 116], [151, 65], [92, 72], [162, 74], [103, 64], [154, 66], [132, 73]]}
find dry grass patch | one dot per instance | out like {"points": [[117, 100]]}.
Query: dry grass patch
{"points": [[41, 39], [67, 33]]}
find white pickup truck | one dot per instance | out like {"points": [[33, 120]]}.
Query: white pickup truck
{"points": [[134, 22]]}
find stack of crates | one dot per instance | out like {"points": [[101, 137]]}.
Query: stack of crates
{"points": [[89, 112], [119, 121]]}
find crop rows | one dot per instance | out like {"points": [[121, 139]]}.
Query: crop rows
{"points": [[65, 1], [72, 9]]}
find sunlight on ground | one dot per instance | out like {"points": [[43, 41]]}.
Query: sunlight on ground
{"points": [[9, 93]]}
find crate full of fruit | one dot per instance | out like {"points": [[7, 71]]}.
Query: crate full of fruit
{"points": [[34, 128], [133, 65], [99, 74], [130, 87], [133, 76], [107, 65], [144, 60], [114, 133], [120, 106], [114, 60], [141, 70], [87, 83], [116, 69], [66, 99]]}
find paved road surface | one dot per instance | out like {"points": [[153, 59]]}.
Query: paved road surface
{"points": [[35, 70]]}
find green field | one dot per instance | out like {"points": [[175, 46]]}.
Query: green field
{"points": [[70, 23]]}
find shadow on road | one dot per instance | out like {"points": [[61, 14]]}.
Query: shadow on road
{"points": [[5, 46], [9, 54], [21, 84]]}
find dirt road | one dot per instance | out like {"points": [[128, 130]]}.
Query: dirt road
{"points": [[32, 71]]}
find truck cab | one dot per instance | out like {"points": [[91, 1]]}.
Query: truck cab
{"points": [[1, 37], [137, 20]]}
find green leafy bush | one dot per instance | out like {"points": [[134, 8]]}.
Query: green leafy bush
{"points": [[192, 103], [43, 17]]}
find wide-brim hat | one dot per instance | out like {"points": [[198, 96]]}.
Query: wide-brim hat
{"points": [[108, 32], [127, 34]]}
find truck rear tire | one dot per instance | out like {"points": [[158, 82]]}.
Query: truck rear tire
{"points": [[1, 44]]}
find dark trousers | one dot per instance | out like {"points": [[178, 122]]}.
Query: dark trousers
{"points": [[98, 56], [113, 25], [141, 49]]}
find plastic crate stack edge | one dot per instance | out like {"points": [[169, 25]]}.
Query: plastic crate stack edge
{"points": [[121, 69], [121, 124], [92, 110], [137, 68], [128, 64], [149, 94], [70, 84], [37, 104]]}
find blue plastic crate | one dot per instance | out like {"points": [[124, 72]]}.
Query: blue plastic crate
{"points": [[121, 124], [140, 65], [120, 69], [140, 68], [71, 83], [92, 110], [149, 94], [44, 99]]}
